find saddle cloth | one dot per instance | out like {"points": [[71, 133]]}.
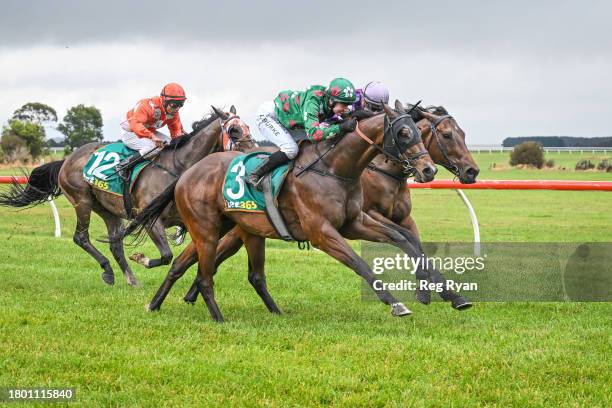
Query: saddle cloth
{"points": [[240, 196], [100, 171]]}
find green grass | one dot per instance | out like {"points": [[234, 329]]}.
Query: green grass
{"points": [[61, 326]]}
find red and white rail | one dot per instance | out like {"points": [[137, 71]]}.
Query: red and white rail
{"points": [[562, 185]]}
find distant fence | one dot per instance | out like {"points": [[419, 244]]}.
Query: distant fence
{"points": [[501, 149]]}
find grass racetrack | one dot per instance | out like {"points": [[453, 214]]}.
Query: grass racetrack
{"points": [[61, 326]]}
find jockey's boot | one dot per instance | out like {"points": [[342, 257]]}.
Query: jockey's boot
{"points": [[124, 166], [270, 163]]}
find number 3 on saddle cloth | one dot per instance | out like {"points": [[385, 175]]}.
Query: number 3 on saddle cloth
{"points": [[240, 196], [100, 170]]}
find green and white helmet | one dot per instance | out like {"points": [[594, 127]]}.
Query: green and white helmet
{"points": [[342, 90]]}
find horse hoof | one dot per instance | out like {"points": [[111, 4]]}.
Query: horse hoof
{"points": [[109, 279], [461, 303], [134, 283], [398, 309], [189, 301], [423, 296], [153, 308]]}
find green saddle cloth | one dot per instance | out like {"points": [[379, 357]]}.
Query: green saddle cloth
{"points": [[240, 196], [100, 169]]}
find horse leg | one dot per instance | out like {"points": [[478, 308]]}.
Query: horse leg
{"points": [[409, 224], [256, 250], [228, 246], [206, 240], [365, 227], [182, 262], [158, 235], [115, 229], [81, 238], [326, 238], [422, 292]]}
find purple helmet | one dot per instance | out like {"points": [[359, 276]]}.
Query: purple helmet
{"points": [[375, 94]]}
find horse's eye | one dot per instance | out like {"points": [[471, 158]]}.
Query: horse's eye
{"points": [[447, 135]]}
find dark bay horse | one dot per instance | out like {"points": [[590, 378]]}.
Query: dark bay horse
{"points": [[319, 209], [385, 192], [66, 176]]}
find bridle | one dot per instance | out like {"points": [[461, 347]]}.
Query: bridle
{"points": [[227, 142], [390, 147], [450, 166]]}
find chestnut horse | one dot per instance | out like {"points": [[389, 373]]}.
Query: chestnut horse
{"points": [[385, 191], [66, 176], [322, 206]]}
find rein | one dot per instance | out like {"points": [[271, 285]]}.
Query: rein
{"points": [[389, 133]]}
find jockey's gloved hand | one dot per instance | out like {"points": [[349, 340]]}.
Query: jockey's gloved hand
{"points": [[348, 126]]}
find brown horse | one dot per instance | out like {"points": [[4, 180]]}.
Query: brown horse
{"points": [[66, 176], [323, 207], [385, 192]]}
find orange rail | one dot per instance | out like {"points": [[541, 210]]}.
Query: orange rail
{"points": [[570, 185]]}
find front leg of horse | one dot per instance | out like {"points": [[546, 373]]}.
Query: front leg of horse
{"points": [[326, 238], [369, 229], [422, 292]]}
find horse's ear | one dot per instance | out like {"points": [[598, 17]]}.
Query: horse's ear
{"points": [[219, 113], [390, 112], [233, 110], [428, 115], [399, 106]]}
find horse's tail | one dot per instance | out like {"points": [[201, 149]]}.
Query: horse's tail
{"points": [[149, 215], [43, 183]]}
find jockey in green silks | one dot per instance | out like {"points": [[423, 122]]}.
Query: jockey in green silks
{"points": [[302, 109]]}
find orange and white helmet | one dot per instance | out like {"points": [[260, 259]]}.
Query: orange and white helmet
{"points": [[174, 93]]}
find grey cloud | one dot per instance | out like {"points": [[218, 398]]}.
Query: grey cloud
{"points": [[485, 27]]}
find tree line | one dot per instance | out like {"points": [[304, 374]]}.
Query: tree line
{"points": [[24, 137]]}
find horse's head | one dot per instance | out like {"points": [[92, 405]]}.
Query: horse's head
{"points": [[235, 134], [402, 139], [445, 141]]}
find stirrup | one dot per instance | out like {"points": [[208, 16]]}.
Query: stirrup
{"points": [[256, 184]]}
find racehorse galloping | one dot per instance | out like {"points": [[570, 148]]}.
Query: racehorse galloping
{"points": [[67, 176], [321, 209], [385, 192]]}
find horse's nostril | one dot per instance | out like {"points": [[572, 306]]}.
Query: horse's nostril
{"points": [[472, 172], [430, 171]]}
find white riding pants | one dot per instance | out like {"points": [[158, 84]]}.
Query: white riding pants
{"points": [[144, 146], [272, 130]]}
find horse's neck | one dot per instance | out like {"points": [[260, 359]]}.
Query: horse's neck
{"points": [[352, 154], [203, 143]]}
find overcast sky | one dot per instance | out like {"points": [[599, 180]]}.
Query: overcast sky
{"points": [[513, 69]]}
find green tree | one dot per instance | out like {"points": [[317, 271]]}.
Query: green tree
{"points": [[36, 112], [32, 134], [82, 124]]}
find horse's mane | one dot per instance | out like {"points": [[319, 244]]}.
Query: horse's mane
{"points": [[196, 126], [437, 110]]}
